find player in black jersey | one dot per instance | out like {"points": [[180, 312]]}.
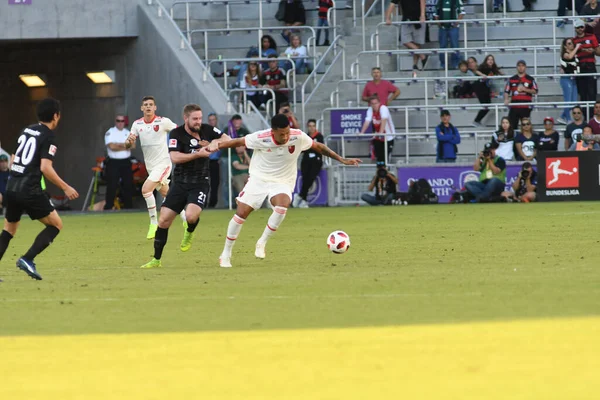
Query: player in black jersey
{"points": [[30, 164], [188, 150]]}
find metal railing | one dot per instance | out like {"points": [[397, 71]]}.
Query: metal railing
{"points": [[331, 14], [184, 43], [290, 73], [249, 106], [499, 110], [321, 64], [334, 98]]}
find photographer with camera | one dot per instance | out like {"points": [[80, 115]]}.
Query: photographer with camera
{"points": [[586, 141], [524, 187], [285, 108], [384, 183], [492, 175]]}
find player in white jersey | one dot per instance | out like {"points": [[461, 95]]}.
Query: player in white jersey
{"points": [[153, 132], [273, 172]]}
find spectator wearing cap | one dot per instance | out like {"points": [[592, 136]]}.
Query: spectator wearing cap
{"points": [[585, 141], [548, 141], [448, 138], [526, 142], [118, 173], [385, 90], [594, 122], [4, 172], [575, 128], [588, 49], [449, 10], [520, 88], [492, 175]]}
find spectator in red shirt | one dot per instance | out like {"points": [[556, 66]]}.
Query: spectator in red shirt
{"points": [[594, 122], [274, 78], [588, 49], [520, 88], [380, 87]]}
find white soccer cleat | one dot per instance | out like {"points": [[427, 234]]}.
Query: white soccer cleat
{"points": [[296, 201], [303, 204], [260, 250], [225, 262]]}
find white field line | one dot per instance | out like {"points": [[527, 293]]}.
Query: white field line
{"points": [[574, 213]]}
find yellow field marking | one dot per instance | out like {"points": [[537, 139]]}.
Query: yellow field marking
{"points": [[533, 359]]}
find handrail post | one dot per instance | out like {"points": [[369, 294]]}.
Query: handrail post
{"points": [[426, 106], [485, 24], [407, 149], [504, 9], [364, 39], [187, 18], [343, 63], [535, 60]]}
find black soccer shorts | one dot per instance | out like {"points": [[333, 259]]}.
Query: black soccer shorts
{"points": [[181, 195], [36, 206]]}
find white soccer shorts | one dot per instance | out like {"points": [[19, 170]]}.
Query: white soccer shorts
{"points": [[160, 175], [256, 191]]}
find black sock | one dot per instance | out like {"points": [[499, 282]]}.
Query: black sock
{"points": [[42, 241], [160, 239], [5, 238], [192, 227]]}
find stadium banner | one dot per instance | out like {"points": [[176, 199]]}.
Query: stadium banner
{"points": [[446, 179], [572, 175], [348, 122], [318, 193]]}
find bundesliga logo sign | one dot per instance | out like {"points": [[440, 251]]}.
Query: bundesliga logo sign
{"points": [[562, 172]]}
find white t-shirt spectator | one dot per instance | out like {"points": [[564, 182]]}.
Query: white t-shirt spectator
{"points": [[376, 117], [113, 135], [298, 52]]}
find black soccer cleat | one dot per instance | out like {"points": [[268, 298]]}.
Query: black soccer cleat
{"points": [[29, 268]]}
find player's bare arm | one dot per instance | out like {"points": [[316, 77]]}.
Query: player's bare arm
{"points": [[224, 138], [327, 152], [227, 144], [50, 174], [180, 158]]}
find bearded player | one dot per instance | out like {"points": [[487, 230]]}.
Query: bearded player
{"points": [[153, 132], [273, 172]]}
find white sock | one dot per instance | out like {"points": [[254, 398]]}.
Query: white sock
{"points": [[273, 223], [182, 215], [151, 204], [233, 230]]}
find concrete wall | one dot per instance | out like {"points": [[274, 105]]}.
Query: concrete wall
{"points": [[53, 19]]}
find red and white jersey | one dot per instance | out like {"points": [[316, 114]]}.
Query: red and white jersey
{"points": [[153, 137], [272, 162], [377, 117]]}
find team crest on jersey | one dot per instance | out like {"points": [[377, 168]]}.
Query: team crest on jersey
{"points": [[52, 150], [156, 128], [193, 142], [291, 149], [172, 143]]}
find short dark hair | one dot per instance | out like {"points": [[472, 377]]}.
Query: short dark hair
{"points": [[190, 108], [373, 97], [148, 98], [236, 117], [463, 62], [375, 68], [579, 107], [312, 120], [284, 104], [47, 108], [272, 56], [279, 121], [587, 126]]}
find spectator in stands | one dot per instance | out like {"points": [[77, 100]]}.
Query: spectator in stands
{"points": [[526, 142], [492, 175], [268, 48], [252, 53], [593, 24], [448, 10], [463, 88], [525, 186], [448, 138], [520, 88], [489, 68], [379, 116], [310, 166], [384, 183], [297, 53], [594, 122], [430, 8], [505, 138], [295, 15], [380, 87], [322, 23], [286, 109], [234, 129], [498, 4], [274, 78], [586, 85], [118, 173], [240, 163], [585, 141], [412, 35], [482, 91], [575, 128], [563, 5], [214, 167], [569, 65], [252, 79], [548, 140], [4, 172]]}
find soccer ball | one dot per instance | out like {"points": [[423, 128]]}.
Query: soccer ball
{"points": [[338, 242]]}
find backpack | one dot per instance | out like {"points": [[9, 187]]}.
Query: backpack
{"points": [[420, 192]]}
